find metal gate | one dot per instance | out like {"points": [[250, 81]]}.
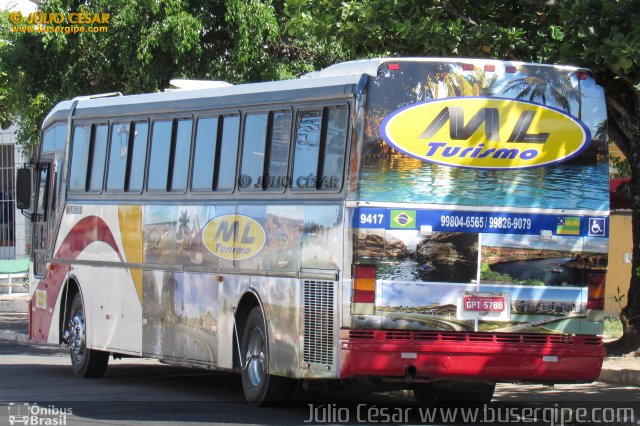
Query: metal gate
{"points": [[7, 202]]}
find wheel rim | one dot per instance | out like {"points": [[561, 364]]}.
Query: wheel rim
{"points": [[76, 336], [255, 358]]}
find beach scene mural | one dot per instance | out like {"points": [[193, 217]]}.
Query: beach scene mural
{"points": [[391, 175], [540, 285]]}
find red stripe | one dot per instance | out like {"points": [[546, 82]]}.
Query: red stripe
{"points": [[87, 231]]}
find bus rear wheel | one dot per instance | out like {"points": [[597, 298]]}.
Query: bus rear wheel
{"points": [[260, 388], [85, 362]]}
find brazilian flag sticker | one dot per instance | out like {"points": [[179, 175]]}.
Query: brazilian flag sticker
{"points": [[403, 219]]}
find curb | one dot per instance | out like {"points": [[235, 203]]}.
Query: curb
{"points": [[620, 377], [14, 336]]}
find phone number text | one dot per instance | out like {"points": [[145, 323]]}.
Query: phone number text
{"points": [[481, 222]]}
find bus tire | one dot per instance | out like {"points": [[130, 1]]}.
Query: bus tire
{"points": [[260, 388], [85, 362]]}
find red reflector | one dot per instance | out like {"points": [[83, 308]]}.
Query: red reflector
{"points": [[468, 67], [510, 68], [364, 296], [394, 67], [364, 271], [595, 304], [490, 68], [582, 75]]}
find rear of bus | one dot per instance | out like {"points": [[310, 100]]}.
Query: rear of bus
{"points": [[478, 203]]}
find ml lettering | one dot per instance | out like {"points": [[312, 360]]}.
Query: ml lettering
{"points": [[491, 119]]}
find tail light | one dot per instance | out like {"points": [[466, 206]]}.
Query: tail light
{"points": [[364, 289], [582, 75], [596, 295]]}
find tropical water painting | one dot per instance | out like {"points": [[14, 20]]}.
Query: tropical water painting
{"points": [[524, 259], [390, 175]]}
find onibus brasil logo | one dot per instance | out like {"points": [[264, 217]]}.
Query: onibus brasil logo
{"points": [[517, 134]]}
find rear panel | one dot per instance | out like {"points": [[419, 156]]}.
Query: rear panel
{"points": [[481, 200]]}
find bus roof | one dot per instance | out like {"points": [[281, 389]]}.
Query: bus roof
{"points": [[171, 100], [370, 66], [337, 76]]}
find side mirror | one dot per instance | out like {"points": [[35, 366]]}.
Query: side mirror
{"points": [[24, 188]]}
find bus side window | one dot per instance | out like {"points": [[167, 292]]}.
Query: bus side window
{"points": [[41, 208], [160, 155], [180, 155], [87, 157], [307, 150], [98, 155], [137, 157], [204, 156], [118, 153], [228, 148], [253, 151], [278, 161], [80, 157], [336, 139]]}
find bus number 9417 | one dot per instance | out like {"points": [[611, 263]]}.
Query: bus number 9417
{"points": [[371, 219]]}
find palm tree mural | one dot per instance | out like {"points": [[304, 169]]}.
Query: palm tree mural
{"points": [[541, 82], [602, 131], [454, 83]]}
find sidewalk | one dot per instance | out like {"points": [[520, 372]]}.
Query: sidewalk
{"points": [[615, 370]]}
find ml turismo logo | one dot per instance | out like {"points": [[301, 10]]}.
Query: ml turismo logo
{"points": [[517, 134]]}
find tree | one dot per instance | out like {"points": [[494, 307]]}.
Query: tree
{"points": [[147, 44], [605, 36]]}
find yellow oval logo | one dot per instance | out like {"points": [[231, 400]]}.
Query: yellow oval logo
{"points": [[485, 133], [234, 237]]}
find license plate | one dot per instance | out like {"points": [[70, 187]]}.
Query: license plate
{"points": [[484, 303]]}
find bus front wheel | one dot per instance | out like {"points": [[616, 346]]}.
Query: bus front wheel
{"points": [[260, 388], [85, 362]]}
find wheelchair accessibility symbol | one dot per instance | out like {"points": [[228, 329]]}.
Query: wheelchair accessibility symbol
{"points": [[597, 227]]}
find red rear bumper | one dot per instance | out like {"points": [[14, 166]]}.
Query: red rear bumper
{"points": [[497, 357]]}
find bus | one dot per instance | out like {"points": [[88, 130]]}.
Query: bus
{"points": [[439, 225]]}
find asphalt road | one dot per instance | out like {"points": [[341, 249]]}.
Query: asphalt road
{"points": [[136, 391]]}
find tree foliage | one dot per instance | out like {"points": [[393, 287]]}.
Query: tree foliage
{"points": [[147, 44]]}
